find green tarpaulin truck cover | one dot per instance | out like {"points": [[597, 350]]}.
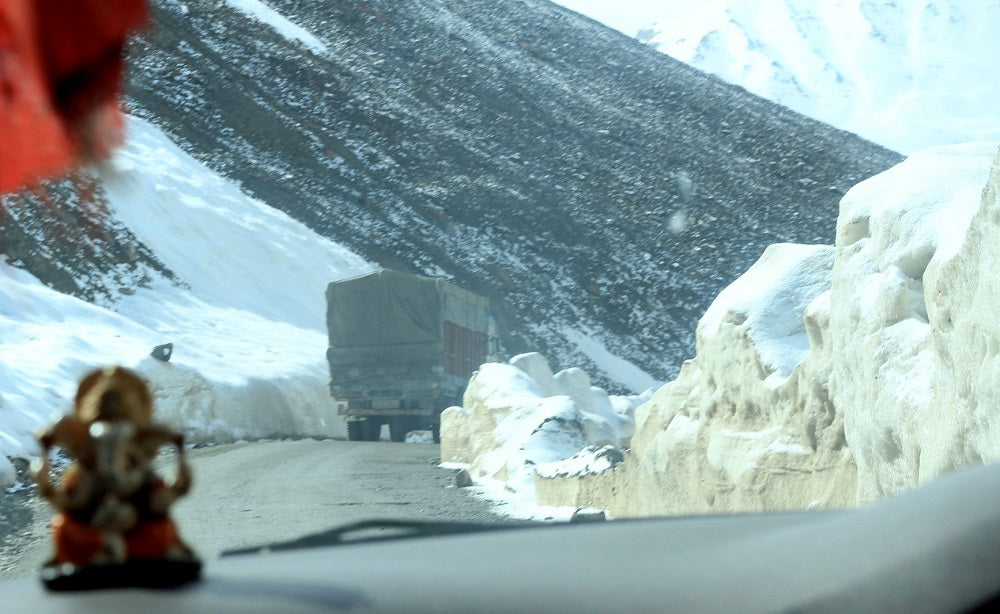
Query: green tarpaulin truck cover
{"points": [[390, 323]]}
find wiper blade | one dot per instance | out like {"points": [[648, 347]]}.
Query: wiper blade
{"points": [[381, 530]]}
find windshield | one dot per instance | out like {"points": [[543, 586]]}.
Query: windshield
{"points": [[500, 261]]}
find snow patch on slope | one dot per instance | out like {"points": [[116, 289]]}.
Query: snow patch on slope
{"points": [[260, 11], [231, 250], [616, 367], [247, 320]]}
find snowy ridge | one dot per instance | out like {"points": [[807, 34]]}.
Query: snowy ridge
{"points": [[906, 75]]}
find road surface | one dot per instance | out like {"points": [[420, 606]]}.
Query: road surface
{"points": [[257, 493]]}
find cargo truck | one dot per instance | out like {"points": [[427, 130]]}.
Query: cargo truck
{"points": [[402, 349]]}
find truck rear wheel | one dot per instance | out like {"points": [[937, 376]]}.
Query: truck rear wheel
{"points": [[355, 430], [372, 429], [399, 427]]}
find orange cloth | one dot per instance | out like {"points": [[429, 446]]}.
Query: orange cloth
{"points": [[151, 539], [78, 543], [60, 74]]}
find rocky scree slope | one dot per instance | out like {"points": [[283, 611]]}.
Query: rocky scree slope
{"points": [[64, 233]]}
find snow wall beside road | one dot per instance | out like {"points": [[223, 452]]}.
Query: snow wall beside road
{"points": [[518, 417], [829, 376]]}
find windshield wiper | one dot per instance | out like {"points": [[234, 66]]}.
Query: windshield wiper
{"points": [[381, 530]]}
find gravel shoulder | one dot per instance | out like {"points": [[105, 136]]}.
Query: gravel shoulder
{"points": [[24, 521]]}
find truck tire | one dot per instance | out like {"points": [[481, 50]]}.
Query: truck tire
{"points": [[356, 430], [436, 432], [372, 428], [399, 427]]}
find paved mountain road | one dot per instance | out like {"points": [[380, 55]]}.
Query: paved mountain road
{"points": [[257, 493]]}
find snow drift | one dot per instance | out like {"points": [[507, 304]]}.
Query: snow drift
{"points": [[518, 418], [824, 376], [245, 314]]}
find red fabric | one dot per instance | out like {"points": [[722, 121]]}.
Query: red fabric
{"points": [[76, 542], [150, 539], [60, 74]]}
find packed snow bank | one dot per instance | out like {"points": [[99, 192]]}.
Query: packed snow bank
{"points": [[742, 427], [519, 417], [247, 323], [824, 376], [911, 264], [895, 385]]}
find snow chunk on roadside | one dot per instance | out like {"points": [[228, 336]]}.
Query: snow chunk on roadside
{"points": [[592, 459], [8, 474], [519, 416], [770, 298]]}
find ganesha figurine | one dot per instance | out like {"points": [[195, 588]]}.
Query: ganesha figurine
{"points": [[112, 525]]}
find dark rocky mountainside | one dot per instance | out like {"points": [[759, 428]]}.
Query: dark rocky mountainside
{"points": [[581, 180], [64, 233]]}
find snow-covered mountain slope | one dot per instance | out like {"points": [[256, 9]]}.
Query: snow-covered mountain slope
{"points": [[599, 193], [906, 75], [245, 315], [825, 376]]}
